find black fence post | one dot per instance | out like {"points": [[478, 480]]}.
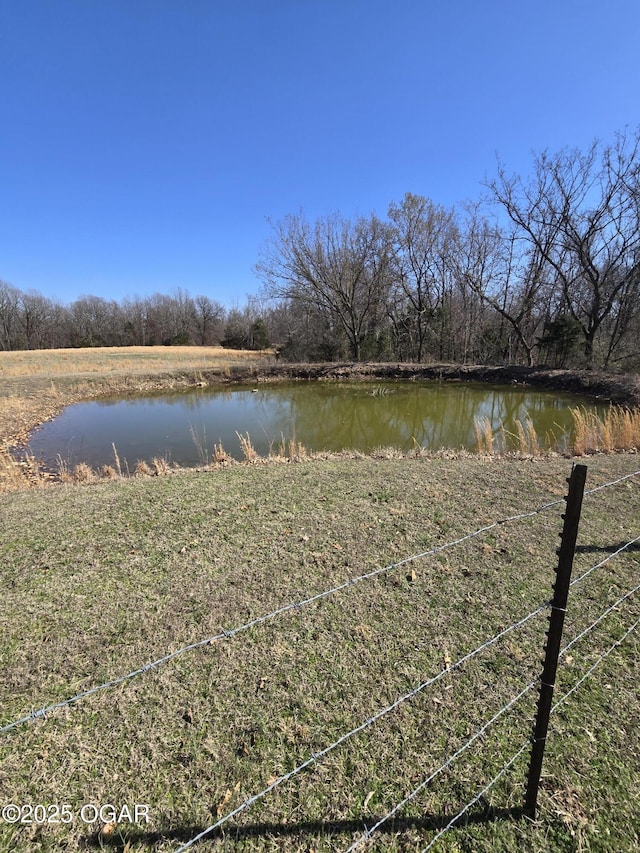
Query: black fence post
{"points": [[566, 553]]}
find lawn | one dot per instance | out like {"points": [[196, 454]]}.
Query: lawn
{"points": [[101, 580]]}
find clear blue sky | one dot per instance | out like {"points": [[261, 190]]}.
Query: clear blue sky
{"points": [[145, 143]]}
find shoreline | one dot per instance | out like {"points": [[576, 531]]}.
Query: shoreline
{"points": [[613, 388], [29, 401]]}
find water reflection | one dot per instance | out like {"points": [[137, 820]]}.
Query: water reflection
{"points": [[434, 416], [183, 427]]}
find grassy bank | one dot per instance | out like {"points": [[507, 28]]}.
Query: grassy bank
{"points": [[100, 580], [35, 385]]}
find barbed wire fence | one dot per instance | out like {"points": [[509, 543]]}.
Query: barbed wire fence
{"points": [[228, 634], [46, 710], [527, 744], [315, 757]]}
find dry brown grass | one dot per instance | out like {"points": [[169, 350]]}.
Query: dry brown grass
{"points": [[289, 449], [11, 475], [220, 455], [108, 472], [117, 459], [142, 469], [118, 360], [160, 465], [618, 430], [484, 436], [524, 441], [83, 473], [534, 444], [248, 450], [15, 475], [296, 450], [528, 443]]}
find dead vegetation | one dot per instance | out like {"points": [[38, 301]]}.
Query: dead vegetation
{"points": [[119, 361], [617, 431]]}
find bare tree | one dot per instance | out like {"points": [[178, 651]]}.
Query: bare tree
{"points": [[170, 318], [36, 319], [92, 321], [507, 274], [135, 314], [208, 320], [425, 242], [342, 268], [579, 213], [9, 316]]}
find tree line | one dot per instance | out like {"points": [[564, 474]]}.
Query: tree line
{"points": [[543, 269], [29, 320]]}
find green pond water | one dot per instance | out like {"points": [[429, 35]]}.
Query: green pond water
{"points": [[183, 427]]}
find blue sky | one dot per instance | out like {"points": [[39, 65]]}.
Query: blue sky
{"points": [[146, 143]]}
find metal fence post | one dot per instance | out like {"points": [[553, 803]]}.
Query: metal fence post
{"points": [[554, 634]]}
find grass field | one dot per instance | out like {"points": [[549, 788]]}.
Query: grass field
{"points": [[60, 363], [35, 385], [99, 580]]}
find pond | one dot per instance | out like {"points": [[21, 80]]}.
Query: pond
{"points": [[183, 427]]}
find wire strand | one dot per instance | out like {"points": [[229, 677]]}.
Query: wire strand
{"points": [[598, 620], [526, 744], [611, 483], [369, 832], [362, 727], [479, 796], [604, 561], [43, 713], [259, 620], [591, 668]]}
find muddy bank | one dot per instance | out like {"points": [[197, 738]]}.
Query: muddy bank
{"points": [[619, 389], [614, 388]]}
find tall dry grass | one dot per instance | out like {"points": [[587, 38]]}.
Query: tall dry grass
{"points": [[248, 450], [220, 455], [15, 475], [526, 437], [200, 443], [484, 436], [525, 440], [617, 430], [288, 448]]}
